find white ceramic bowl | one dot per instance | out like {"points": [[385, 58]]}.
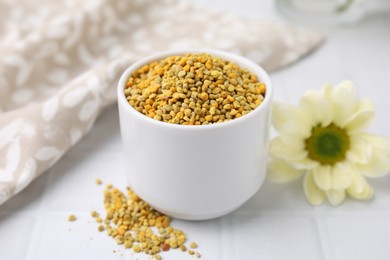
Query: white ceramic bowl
{"points": [[195, 172]]}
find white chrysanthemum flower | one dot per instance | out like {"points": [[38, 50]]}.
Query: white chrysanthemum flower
{"points": [[323, 139]]}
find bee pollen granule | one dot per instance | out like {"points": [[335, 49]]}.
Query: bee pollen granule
{"points": [[194, 89], [71, 218]]}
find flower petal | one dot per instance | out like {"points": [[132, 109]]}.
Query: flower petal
{"points": [[367, 193], [313, 194], [344, 101], [359, 188], [300, 127], [335, 197], [293, 120], [279, 149], [305, 163], [279, 116], [361, 119], [359, 151], [323, 177], [378, 165], [342, 176], [327, 91], [377, 142], [283, 113], [293, 140], [358, 182], [280, 171], [317, 107]]}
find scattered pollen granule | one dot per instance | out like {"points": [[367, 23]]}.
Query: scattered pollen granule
{"points": [[71, 218], [135, 224]]}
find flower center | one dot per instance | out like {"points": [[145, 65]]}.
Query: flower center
{"points": [[327, 145]]}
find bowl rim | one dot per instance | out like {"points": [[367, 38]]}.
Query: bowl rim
{"points": [[239, 60]]}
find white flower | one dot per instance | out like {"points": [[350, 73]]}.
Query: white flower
{"points": [[324, 139]]}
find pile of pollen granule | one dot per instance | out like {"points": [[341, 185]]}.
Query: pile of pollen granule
{"points": [[135, 224], [194, 89]]}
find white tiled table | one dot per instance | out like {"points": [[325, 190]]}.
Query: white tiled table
{"points": [[277, 223]]}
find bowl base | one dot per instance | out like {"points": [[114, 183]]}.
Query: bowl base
{"points": [[196, 216]]}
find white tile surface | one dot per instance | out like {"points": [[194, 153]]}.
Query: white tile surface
{"points": [[359, 236], [16, 230], [277, 223], [274, 236], [81, 170]]}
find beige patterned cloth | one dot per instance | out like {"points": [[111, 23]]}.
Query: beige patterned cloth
{"points": [[60, 62]]}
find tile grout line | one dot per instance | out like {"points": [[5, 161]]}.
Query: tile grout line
{"points": [[282, 213], [323, 237], [223, 232]]}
